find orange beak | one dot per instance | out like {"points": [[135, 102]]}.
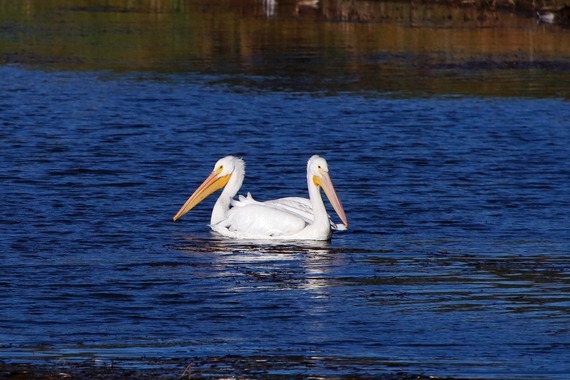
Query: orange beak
{"points": [[212, 183], [326, 183]]}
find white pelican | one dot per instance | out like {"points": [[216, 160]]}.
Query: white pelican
{"points": [[291, 218]]}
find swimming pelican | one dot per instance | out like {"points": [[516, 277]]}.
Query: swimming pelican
{"points": [[290, 218]]}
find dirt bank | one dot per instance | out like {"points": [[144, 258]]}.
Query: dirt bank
{"points": [[211, 368]]}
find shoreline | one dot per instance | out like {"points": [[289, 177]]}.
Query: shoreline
{"points": [[211, 368]]}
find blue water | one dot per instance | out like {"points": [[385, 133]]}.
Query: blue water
{"points": [[456, 261]]}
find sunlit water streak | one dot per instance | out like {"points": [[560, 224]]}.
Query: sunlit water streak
{"points": [[455, 262]]}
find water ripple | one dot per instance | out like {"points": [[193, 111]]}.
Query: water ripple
{"points": [[455, 262]]}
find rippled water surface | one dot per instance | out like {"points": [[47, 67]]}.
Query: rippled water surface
{"points": [[456, 261]]}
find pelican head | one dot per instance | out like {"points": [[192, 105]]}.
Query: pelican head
{"points": [[224, 170], [318, 172]]}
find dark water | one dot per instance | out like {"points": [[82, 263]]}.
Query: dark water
{"points": [[456, 262]]}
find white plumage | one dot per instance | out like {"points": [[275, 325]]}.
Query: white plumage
{"points": [[290, 218]]}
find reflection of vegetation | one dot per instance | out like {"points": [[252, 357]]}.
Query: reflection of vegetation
{"points": [[339, 45]]}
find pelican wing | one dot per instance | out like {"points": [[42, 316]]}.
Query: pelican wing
{"points": [[294, 205], [258, 220]]}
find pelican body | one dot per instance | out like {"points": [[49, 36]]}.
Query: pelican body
{"points": [[291, 218]]}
